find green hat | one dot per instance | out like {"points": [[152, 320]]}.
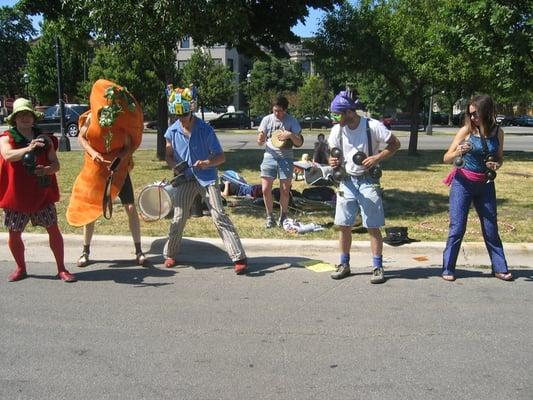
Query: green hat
{"points": [[19, 105]]}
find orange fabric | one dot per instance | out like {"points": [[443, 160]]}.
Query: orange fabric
{"points": [[87, 193]]}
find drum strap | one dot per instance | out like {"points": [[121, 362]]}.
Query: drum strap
{"points": [[107, 202]]}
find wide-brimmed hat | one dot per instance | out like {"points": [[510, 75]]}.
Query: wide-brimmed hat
{"points": [[20, 105], [397, 235]]}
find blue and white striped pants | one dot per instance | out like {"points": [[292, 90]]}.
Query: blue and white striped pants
{"points": [[183, 202]]}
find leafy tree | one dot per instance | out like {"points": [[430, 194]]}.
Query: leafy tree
{"points": [[130, 69], [158, 25], [43, 69], [214, 82], [461, 47], [270, 78], [16, 30], [314, 97]]}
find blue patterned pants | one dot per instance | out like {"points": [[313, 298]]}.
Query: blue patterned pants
{"points": [[462, 193]]}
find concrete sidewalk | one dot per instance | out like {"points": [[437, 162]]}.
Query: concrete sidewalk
{"points": [[211, 251]]}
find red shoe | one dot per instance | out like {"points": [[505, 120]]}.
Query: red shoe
{"points": [[17, 275], [66, 276], [170, 262], [240, 266]]}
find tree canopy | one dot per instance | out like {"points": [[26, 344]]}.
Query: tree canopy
{"points": [[419, 47], [214, 82], [16, 30]]}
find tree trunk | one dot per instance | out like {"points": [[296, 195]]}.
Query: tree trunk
{"points": [[414, 109], [162, 125]]}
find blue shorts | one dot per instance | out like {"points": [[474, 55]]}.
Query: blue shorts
{"points": [[272, 167], [360, 194]]}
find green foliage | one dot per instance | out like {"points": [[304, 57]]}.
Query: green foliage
{"points": [[129, 68], [43, 69], [412, 48], [214, 82], [313, 97], [15, 31], [270, 78]]}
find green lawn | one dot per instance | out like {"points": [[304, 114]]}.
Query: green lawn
{"points": [[413, 193]]}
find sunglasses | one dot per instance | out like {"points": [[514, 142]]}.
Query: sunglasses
{"points": [[336, 116], [473, 114]]}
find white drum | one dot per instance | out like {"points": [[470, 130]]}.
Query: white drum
{"points": [[156, 201]]}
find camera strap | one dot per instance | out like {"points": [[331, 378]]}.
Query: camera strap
{"points": [[369, 138], [484, 141]]}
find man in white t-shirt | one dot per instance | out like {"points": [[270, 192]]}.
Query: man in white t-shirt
{"points": [[278, 160], [359, 190]]}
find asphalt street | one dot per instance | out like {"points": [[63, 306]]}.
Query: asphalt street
{"points": [[282, 331]]}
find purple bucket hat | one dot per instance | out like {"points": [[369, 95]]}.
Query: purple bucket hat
{"points": [[344, 101]]}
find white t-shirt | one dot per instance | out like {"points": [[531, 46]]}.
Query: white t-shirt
{"points": [[354, 140]]}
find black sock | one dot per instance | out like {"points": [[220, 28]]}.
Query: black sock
{"points": [[138, 248], [87, 248]]}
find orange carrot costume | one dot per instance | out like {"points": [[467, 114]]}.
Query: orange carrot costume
{"points": [[115, 115]]}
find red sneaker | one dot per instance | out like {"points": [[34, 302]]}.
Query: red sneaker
{"points": [[170, 262], [17, 275], [66, 276], [240, 266]]}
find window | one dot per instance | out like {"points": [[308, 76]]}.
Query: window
{"points": [[185, 43], [229, 64], [217, 61], [182, 63]]}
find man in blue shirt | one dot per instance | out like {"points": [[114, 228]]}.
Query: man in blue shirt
{"points": [[193, 141]]}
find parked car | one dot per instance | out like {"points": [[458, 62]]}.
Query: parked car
{"points": [[402, 121], [256, 120], [315, 122], [524, 120], [210, 114], [458, 119], [235, 120], [506, 120], [51, 121]]}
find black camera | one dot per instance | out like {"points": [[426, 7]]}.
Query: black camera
{"points": [[491, 174], [374, 172], [339, 173], [179, 173], [29, 160]]}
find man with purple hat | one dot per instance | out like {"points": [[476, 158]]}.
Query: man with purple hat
{"points": [[358, 139]]}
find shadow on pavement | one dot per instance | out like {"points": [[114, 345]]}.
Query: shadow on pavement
{"points": [[425, 273], [122, 272]]}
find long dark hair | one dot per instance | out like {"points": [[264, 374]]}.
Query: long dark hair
{"points": [[486, 110]]}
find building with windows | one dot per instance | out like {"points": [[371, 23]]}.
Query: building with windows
{"points": [[240, 65], [221, 54]]}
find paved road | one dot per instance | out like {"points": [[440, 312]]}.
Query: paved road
{"points": [[517, 139], [280, 332]]}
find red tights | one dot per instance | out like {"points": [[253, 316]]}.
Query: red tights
{"points": [[16, 245]]}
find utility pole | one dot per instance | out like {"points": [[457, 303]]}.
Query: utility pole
{"points": [[64, 142]]}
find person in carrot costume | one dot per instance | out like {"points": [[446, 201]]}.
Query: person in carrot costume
{"points": [[110, 132], [28, 186]]}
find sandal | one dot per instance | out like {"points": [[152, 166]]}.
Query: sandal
{"points": [[83, 261], [140, 258], [170, 262], [504, 276], [17, 275], [448, 278], [66, 276]]}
